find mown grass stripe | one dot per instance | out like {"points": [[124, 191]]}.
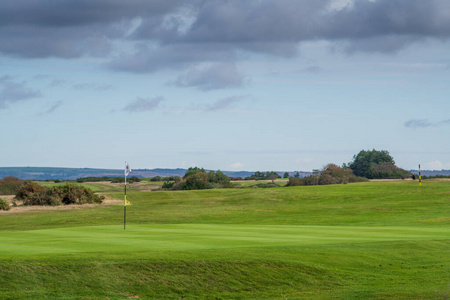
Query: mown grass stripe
{"points": [[200, 236]]}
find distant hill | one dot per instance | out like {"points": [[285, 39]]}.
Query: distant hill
{"points": [[432, 172], [44, 173]]}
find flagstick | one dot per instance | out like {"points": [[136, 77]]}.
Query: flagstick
{"points": [[420, 177], [125, 201]]}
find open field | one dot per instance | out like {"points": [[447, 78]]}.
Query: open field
{"points": [[357, 241]]}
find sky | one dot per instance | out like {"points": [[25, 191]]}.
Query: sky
{"points": [[285, 85]]}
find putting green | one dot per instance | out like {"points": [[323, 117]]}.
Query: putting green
{"points": [[185, 237]]}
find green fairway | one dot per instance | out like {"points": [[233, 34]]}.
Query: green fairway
{"points": [[180, 237], [373, 240]]}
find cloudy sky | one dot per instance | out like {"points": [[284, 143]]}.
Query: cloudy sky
{"points": [[223, 84]]}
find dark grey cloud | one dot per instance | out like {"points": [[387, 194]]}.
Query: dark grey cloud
{"points": [[217, 76], [67, 13], [36, 42], [183, 33], [11, 92], [142, 104], [246, 23], [423, 123], [68, 29], [221, 29], [224, 103]]}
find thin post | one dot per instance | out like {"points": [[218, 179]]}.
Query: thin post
{"points": [[420, 177], [125, 199]]}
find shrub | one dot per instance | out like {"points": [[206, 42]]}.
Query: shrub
{"points": [[28, 189], [331, 174], [168, 184], [218, 177], [9, 185], [75, 194], [4, 205], [198, 179], [156, 178], [388, 172], [263, 175], [172, 178], [34, 194]]}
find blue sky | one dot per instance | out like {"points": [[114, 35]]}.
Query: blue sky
{"points": [[231, 85]]}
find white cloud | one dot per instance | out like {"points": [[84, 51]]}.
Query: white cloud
{"points": [[436, 165], [236, 166]]}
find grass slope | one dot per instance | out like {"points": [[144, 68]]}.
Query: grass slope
{"points": [[357, 241]]}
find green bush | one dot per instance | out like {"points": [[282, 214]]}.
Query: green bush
{"points": [[28, 189], [388, 172], [263, 175], [34, 194], [4, 205], [198, 179], [331, 174], [156, 178], [9, 185], [168, 184]]}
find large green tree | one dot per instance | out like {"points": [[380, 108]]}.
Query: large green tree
{"points": [[365, 160], [198, 179]]}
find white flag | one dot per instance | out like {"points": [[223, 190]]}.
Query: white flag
{"points": [[127, 169]]}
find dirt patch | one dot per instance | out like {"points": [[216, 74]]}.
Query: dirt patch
{"points": [[111, 200], [8, 198]]}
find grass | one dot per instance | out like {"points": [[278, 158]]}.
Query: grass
{"points": [[373, 240]]}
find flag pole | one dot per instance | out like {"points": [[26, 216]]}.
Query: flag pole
{"points": [[125, 200], [420, 177]]}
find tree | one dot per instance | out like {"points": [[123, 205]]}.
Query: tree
{"points": [[365, 160], [192, 171], [286, 175], [331, 174], [198, 179], [218, 177], [263, 175], [273, 177]]}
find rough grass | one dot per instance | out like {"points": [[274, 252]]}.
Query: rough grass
{"points": [[377, 240]]}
